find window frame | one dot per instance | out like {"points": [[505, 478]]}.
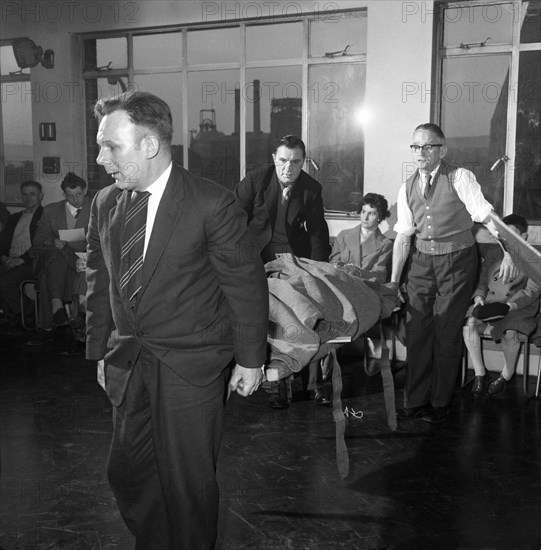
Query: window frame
{"points": [[513, 49], [304, 61]]}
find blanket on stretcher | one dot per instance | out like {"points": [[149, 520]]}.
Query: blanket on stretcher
{"points": [[312, 303]]}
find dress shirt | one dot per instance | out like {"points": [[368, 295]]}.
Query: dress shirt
{"points": [[468, 191], [72, 209], [156, 190]]}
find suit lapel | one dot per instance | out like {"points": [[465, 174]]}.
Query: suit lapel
{"points": [[116, 222], [353, 244]]}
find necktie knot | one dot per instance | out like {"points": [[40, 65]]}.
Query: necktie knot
{"points": [[77, 212], [286, 193]]}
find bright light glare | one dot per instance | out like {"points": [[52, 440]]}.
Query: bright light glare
{"points": [[362, 116]]}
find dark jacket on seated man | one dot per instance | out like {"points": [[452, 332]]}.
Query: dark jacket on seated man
{"points": [[6, 236], [16, 242], [56, 259]]}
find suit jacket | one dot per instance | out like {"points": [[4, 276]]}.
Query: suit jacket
{"points": [[373, 257], [54, 219], [7, 234], [306, 227], [204, 298]]}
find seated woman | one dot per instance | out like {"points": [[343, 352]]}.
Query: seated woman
{"points": [[364, 246], [502, 311]]}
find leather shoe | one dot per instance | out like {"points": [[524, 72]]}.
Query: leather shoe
{"points": [[280, 400], [478, 386], [436, 415], [497, 385], [60, 318], [320, 398], [43, 338], [408, 413]]}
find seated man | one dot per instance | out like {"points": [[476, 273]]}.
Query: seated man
{"points": [[364, 246], [15, 244], [501, 310], [57, 258]]}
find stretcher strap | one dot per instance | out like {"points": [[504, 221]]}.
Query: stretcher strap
{"points": [[342, 458], [388, 382]]}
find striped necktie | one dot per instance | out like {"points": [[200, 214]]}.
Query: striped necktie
{"points": [[286, 193], [133, 243]]}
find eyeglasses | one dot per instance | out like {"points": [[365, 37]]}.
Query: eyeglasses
{"points": [[427, 148]]}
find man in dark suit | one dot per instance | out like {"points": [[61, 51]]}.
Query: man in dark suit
{"points": [[164, 326], [15, 251], [285, 214], [284, 205], [56, 265]]}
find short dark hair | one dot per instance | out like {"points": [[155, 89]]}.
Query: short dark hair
{"points": [[71, 181], [516, 220], [144, 109], [379, 202], [291, 142], [431, 127], [32, 183]]}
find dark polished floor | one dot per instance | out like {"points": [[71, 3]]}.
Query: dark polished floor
{"points": [[472, 483]]}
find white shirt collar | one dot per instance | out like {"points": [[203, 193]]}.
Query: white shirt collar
{"points": [[158, 186]]}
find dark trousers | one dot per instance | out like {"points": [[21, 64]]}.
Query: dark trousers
{"points": [[439, 293], [10, 281], [162, 463]]}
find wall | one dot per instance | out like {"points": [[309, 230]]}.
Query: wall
{"points": [[399, 52]]}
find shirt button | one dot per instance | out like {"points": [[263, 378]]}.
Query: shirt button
{"points": [[428, 217]]}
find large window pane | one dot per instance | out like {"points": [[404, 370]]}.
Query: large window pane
{"points": [[279, 41], [273, 99], [213, 46], [474, 118], [472, 25], [336, 139], [157, 50], [109, 53], [17, 131], [527, 194], [331, 34], [214, 123], [531, 22]]}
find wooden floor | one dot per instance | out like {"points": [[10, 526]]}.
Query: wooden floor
{"points": [[472, 483]]}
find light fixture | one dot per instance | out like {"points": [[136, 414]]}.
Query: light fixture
{"points": [[28, 55]]}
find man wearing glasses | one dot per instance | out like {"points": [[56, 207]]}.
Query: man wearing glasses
{"points": [[438, 204], [285, 214]]}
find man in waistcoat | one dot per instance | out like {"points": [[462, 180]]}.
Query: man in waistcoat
{"points": [[438, 204]]}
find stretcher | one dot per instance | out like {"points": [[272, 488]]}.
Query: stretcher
{"points": [[314, 309]]}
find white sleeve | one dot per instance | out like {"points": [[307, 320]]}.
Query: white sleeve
{"points": [[470, 193], [404, 223]]}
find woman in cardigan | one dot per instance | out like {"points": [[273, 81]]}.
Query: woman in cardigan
{"points": [[364, 246]]}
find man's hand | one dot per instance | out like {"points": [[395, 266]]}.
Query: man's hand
{"points": [[245, 381], [508, 270], [478, 300], [101, 373]]}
